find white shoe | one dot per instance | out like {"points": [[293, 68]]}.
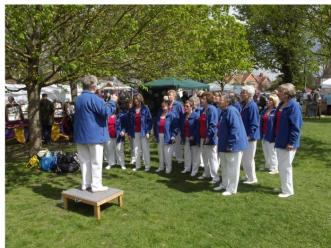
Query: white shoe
{"points": [[102, 188], [202, 177], [123, 168], [219, 188], [193, 175], [147, 169], [159, 170], [135, 169], [226, 193], [282, 195], [273, 172], [108, 167], [168, 172], [250, 182], [184, 171]]}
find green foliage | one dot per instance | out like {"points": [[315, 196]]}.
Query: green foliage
{"points": [[280, 39]]}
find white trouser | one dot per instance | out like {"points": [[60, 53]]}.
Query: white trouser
{"points": [[248, 161], [187, 155], [196, 155], [209, 155], [201, 158], [90, 157], [141, 145], [165, 154], [285, 159], [230, 170], [270, 155], [132, 151], [115, 152], [178, 149]]}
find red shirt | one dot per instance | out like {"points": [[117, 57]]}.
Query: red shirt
{"points": [[203, 126], [278, 115], [137, 126], [264, 123], [186, 129], [162, 124], [111, 126]]}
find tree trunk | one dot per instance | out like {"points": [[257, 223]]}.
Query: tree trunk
{"points": [[34, 123], [73, 89]]}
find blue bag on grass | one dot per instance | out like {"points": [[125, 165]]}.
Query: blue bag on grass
{"points": [[48, 162]]}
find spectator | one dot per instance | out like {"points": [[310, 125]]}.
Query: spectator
{"points": [[90, 133], [46, 115]]}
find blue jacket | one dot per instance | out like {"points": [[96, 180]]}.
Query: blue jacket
{"points": [[120, 126], [177, 110], [269, 136], [146, 121], [193, 121], [169, 128], [231, 134], [212, 120], [90, 119], [289, 126], [237, 105], [251, 119]]}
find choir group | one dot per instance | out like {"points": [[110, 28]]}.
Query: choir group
{"points": [[212, 130]]}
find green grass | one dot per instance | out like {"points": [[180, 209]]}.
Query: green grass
{"points": [[175, 211]]}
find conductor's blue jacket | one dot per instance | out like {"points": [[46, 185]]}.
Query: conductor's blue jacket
{"points": [[90, 119]]}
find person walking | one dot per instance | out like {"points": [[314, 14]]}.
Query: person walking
{"points": [[208, 137], [46, 115], [287, 135], [189, 125], [139, 128], [267, 138], [251, 119], [165, 127], [90, 132], [232, 140]]}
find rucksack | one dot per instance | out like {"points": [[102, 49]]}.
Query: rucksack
{"points": [[67, 163], [48, 162]]}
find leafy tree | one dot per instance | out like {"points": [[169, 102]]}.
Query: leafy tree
{"points": [[280, 40]]}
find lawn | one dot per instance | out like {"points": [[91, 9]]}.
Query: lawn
{"points": [[175, 210]]}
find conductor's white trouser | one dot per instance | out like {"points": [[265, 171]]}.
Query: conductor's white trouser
{"points": [[230, 170], [165, 154], [209, 155], [115, 152], [270, 155], [90, 158], [248, 161], [141, 145], [178, 149], [285, 159]]}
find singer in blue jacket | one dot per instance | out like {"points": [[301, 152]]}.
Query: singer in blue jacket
{"points": [[268, 117], [208, 137], [165, 131], [287, 135], [251, 119], [232, 140], [189, 126], [139, 128]]}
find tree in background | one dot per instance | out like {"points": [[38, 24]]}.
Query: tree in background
{"points": [[280, 39]]}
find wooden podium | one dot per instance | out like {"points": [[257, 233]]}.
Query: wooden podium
{"points": [[94, 199]]}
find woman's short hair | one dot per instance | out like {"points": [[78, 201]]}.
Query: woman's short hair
{"points": [[209, 97], [288, 89], [274, 99], [139, 97], [249, 89], [195, 100], [88, 81], [172, 92]]}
